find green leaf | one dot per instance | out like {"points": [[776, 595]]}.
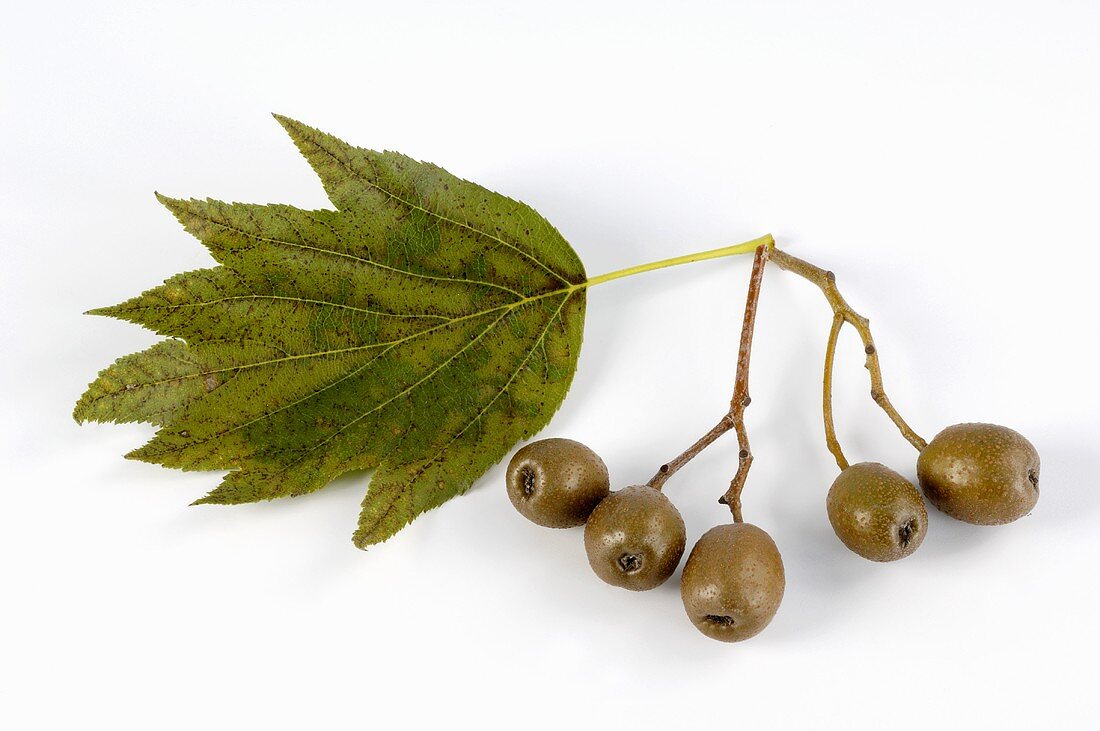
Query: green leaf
{"points": [[420, 329]]}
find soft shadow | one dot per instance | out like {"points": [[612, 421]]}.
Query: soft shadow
{"points": [[1068, 491]]}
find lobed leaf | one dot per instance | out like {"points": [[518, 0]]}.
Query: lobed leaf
{"points": [[420, 330]]}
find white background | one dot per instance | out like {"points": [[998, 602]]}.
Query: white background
{"points": [[941, 157]]}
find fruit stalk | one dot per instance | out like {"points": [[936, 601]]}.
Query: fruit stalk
{"points": [[826, 282], [827, 394], [734, 418]]}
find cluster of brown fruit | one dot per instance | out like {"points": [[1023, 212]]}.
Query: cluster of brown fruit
{"points": [[983, 474], [733, 581]]}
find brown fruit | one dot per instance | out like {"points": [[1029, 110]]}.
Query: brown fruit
{"points": [[635, 538], [557, 482], [876, 512], [980, 473], [733, 582]]}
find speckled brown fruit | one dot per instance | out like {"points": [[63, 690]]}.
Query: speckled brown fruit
{"points": [[980, 473], [876, 512], [733, 582], [635, 538], [557, 482]]}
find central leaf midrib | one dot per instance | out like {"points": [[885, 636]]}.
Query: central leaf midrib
{"points": [[568, 291], [340, 351]]}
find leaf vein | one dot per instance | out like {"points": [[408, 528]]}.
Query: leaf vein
{"points": [[387, 402], [356, 174], [353, 257], [504, 389], [302, 300]]}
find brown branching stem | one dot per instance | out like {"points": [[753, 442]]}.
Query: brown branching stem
{"points": [[843, 313], [735, 418]]}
